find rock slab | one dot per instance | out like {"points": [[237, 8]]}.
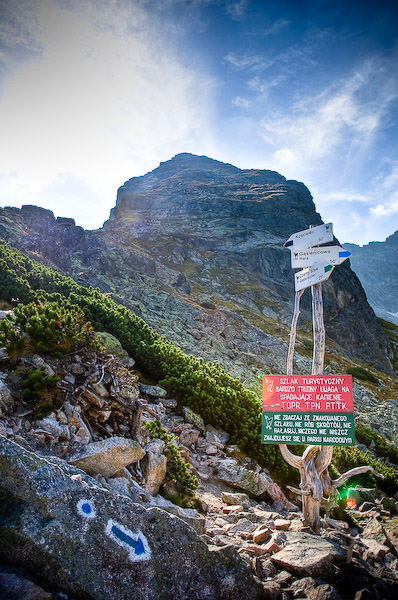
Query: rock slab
{"points": [[92, 543], [107, 457], [308, 555]]}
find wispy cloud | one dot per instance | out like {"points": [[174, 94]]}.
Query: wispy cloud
{"points": [[241, 102], [328, 140], [247, 61], [262, 85], [236, 8], [277, 26], [348, 114], [387, 198], [109, 98]]}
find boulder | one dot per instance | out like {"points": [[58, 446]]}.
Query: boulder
{"points": [[92, 543], [154, 391], [313, 590], [235, 498], [190, 515], [308, 555], [109, 456], [6, 399], [192, 417], [154, 466], [216, 437], [13, 587], [254, 483], [51, 425], [113, 346], [189, 437]]}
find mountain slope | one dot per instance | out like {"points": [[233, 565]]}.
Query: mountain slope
{"points": [[373, 264], [196, 248]]}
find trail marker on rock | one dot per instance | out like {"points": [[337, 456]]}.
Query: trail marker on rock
{"points": [[301, 409]]}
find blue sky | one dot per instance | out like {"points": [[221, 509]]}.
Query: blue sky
{"points": [[95, 92]]}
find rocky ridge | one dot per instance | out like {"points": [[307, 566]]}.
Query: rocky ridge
{"points": [[88, 467], [373, 264], [196, 248]]}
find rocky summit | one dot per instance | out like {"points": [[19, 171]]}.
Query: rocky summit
{"points": [[195, 247]]}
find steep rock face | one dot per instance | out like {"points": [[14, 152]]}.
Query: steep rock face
{"points": [[196, 248], [373, 264]]}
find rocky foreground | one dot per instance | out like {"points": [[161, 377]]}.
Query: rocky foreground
{"points": [[81, 516]]}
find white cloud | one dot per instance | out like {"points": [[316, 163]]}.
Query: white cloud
{"points": [[108, 99], [241, 102], [363, 217], [346, 116], [277, 26], [247, 61], [333, 141], [236, 8], [387, 186], [263, 85]]}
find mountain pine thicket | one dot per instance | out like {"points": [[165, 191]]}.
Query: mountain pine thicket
{"points": [[219, 398]]}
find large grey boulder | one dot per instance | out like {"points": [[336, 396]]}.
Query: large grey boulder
{"points": [[254, 483], [92, 543], [308, 555], [109, 456], [239, 477]]}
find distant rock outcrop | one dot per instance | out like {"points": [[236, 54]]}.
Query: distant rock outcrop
{"points": [[373, 263], [195, 247]]}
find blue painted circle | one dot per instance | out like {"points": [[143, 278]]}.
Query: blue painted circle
{"points": [[86, 508]]}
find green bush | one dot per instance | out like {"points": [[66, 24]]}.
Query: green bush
{"points": [[346, 458], [177, 468], [219, 398], [365, 435], [50, 327], [361, 373], [36, 383]]}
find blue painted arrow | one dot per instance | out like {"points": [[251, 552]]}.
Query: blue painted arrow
{"points": [[344, 254], [137, 545]]}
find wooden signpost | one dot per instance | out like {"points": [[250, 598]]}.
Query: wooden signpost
{"points": [[316, 409], [332, 255], [316, 273], [310, 237]]}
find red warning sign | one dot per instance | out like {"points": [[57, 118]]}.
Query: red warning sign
{"points": [[307, 393]]}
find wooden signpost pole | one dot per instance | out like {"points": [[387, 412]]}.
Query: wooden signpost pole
{"points": [[293, 331], [316, 485], [318, 329]]}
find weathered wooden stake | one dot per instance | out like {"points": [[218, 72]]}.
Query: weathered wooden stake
{"points": [[296, 313], [316, 486], [318, 329]]}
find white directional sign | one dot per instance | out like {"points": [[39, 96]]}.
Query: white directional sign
{"points": [[334, 255], [311, 275], [310, 237]]}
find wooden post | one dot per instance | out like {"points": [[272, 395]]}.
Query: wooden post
{"points": [[316, 486], [296, 313], [318, 330]]}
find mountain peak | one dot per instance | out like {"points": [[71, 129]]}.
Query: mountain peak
{"points": [[188, 160]]}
